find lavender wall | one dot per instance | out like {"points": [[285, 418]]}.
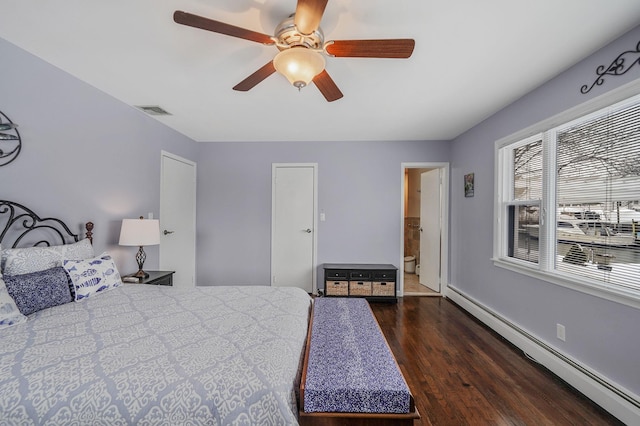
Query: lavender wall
{"points": [[602, 335], [359, 190], [85, 155]]}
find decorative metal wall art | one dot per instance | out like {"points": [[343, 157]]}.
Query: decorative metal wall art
{"points": [[623, 63], [10, 142]]}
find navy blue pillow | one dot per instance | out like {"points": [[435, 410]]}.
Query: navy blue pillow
{"points": [[39, 290]]}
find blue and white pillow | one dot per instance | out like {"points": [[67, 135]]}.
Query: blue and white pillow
{"points": [[36, 291], [20, 261], [9, 312], [92, 276]]}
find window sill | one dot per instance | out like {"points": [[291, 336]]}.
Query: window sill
{"points": [[603, 291]]}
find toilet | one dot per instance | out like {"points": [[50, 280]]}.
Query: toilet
{"points": [[410, 264]]}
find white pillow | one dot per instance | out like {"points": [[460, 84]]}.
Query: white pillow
{"points": [[9, 312], [92, 276], [34, 259]]}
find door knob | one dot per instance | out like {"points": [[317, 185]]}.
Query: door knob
{"points": [[308, 231], [168, 232]]}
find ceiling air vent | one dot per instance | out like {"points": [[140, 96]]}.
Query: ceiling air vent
{"points": [[153, 109]]}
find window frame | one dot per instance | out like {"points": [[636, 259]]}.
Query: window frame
{"points": [[507, 198], [503, 182]]}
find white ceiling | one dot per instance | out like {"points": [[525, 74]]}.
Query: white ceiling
{"points": [[472, 58]]}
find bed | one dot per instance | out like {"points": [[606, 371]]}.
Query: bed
{"points": [[116, 354]]}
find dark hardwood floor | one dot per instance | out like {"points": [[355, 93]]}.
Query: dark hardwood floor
{"points": [[462, 373]]}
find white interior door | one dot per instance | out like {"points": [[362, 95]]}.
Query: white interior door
{"points": [[178, 219], [430, 235], [293, 226]]}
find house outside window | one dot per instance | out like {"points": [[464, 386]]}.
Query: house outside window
{"points": [[568, 200]]}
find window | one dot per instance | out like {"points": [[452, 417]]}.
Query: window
{"points": [[523, 207], [568, 200]]}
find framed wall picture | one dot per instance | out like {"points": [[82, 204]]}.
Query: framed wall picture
{"points": [[468, 185]]}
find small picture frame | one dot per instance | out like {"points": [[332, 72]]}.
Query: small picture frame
{"points": [[469, 185]]}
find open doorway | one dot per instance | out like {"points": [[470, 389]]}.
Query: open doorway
{"points": [[423, 267]]}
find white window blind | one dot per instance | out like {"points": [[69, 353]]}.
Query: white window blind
{"points": [[598, 196], [524, 207]]}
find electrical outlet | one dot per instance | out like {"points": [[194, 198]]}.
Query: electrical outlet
{"points": [[560, 332]]}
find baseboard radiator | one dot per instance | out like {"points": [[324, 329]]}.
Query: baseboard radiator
{"points": [[620, 402]]}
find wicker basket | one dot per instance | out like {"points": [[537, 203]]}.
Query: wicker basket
{"points": [[360, 288], [336, 288], [384, 288]]}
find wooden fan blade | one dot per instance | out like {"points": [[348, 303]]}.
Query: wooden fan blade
{"points": [[196, 21], [389, 48], [327, 86], [255, 78], [308, 15]]}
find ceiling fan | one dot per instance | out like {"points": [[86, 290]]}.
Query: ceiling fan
{"points": [[301, 43]]}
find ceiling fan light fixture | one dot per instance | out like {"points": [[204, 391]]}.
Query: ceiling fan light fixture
{"points": [[299, 65]]}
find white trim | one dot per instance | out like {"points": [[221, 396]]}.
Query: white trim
{"points": [[444, 223], [617, 400], [314, 266], [599, 289]]}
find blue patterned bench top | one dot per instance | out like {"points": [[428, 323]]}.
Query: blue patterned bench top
{"points": [[350, 367]]}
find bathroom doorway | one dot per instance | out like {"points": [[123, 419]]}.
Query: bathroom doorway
{"points": [[423, 270]]}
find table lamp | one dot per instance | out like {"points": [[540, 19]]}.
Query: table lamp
{"points": [[140, 232]]}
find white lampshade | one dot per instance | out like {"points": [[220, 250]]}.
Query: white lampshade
{"points": [[140, 232], [299, 65]]}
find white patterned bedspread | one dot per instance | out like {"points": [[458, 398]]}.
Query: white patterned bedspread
{"points": [[154, 355]]}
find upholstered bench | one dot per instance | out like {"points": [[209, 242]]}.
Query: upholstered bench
{"points": [[349, 371]]}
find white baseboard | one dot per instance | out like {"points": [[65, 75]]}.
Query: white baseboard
{"points": [[618, 401]]}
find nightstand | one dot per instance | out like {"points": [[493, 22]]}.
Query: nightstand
{"points": [[158, 278]]}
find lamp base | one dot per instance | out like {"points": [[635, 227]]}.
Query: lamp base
{"points": [[140, 258], [141, 274]]}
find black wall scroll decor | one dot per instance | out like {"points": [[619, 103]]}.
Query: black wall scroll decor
{"points": [[10, 142], [623, 63]]}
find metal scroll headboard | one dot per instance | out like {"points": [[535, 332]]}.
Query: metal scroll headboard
{"points": [[22, 227]]}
